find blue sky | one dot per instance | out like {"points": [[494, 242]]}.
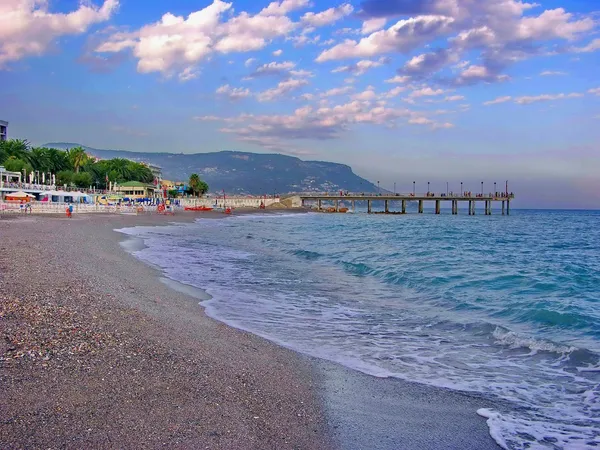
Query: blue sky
{"points": [[402, 90]]}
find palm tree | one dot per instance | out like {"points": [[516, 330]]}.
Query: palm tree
{"points": [[40, 159], [120, 169], [58, 160], [19, 148], [78, 157], [194, 183]]}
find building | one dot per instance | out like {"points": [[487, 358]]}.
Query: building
{"points": [[3, 130], [7, 178], [167, 184], [135, 189], [157, 172]]}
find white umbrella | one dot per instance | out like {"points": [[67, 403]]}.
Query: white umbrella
{"points": [[20, 194]]}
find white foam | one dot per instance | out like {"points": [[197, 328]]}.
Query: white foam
{"points": [[378, 335], [514, 340]]}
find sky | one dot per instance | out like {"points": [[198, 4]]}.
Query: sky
{"points": [[439, 91]]}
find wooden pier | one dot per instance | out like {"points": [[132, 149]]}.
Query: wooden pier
{"points": [[486, 200]]}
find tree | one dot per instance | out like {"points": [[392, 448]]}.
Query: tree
{"points": [[64, 177], [194, 183], [78, 157], [203, 187], [58, 160], [173, 193], [40, 159], [82, 180], [18, 148], [13, 164]]}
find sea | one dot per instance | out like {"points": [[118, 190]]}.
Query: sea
{"points": [[503, 307]]}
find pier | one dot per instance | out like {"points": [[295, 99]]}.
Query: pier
{"points": [[476, 203]]}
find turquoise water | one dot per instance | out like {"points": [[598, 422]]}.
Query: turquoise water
{"points": [[505, 307]]}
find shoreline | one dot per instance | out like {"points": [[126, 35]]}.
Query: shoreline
{"points": [[414, 415], [354, 410]]}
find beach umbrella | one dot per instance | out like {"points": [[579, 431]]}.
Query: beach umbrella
{"points": [[20, 194]]}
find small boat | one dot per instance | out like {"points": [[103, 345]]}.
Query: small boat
{"points": [[197, 208]]}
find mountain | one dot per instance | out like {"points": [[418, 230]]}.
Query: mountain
{"points": [[245, 173]]}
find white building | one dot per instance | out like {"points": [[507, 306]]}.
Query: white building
{"points": [[3, 130]]}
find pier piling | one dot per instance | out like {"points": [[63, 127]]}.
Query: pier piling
{"points": [[486, 201]]}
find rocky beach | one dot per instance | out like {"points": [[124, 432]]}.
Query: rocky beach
{"points": [[96, 352]]}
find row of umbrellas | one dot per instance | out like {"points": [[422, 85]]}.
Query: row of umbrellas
{"points": [[25, 195]]}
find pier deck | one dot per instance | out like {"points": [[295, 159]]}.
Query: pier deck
{"points": [[486, 199]]}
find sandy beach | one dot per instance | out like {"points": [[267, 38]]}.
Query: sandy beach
{"points": [[98, 352]]}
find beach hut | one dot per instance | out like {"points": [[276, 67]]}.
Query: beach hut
{"points": [[19, 197]]}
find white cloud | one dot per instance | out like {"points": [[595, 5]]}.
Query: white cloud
{"points": [[175, 42], [27, 28], [595, 91], [498, 29], [526, 100], [249, 62], [474, 74], [303, 39], [403, 36], [426, 92], [281, 89], [189, 73], [371, 25], [504, 99], [591, 47], [208, 118], [232, 93], [272, 68], [284, 7], [366, 95], [328, 16], [321, 123], [278, 52], [360, 67], [398, 79], [428, 63], [420, 121], [552, 24], [395, 91], [301, 73], [337, 91], [454, 98], [550, 73]]}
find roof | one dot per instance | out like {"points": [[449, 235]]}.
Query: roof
{"points": [[135, 184]]}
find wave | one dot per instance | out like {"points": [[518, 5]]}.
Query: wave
{"points": [[307, 254], [514, 340], [407, 312]]}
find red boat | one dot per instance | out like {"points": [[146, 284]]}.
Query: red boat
{"points": [[197, 208]]}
